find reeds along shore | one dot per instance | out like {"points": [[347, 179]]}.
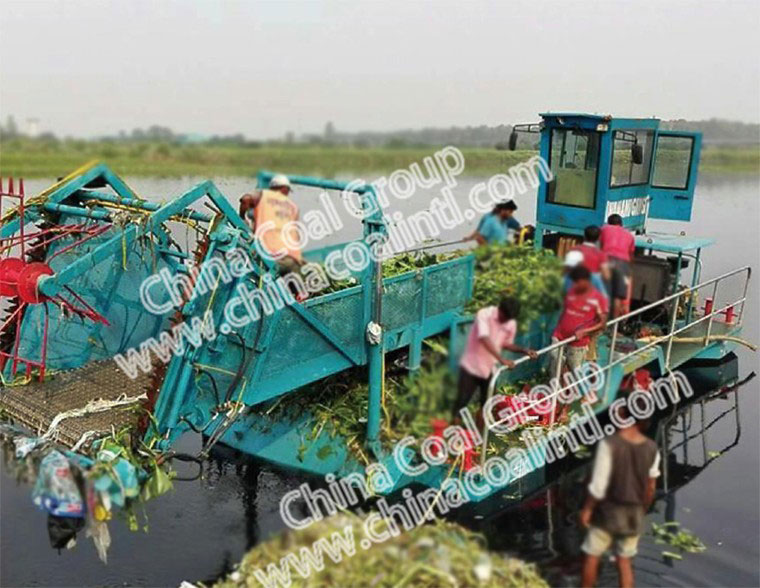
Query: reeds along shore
{"points": [[40, 158]]}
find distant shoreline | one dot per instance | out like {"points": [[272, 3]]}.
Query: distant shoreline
{"points": [[32, 159]]}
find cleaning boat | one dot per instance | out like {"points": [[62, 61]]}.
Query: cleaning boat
{"points": [[76, 258]]}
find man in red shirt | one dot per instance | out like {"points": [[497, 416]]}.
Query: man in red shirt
{"points": [[584, 312], [619, 244], [594, 258]]}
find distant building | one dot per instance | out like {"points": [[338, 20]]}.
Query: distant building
{"points": [[192, 138], [32, 127]]}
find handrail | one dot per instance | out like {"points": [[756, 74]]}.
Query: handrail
{"points": [[680, 294], [639, 350], [638, 311]]}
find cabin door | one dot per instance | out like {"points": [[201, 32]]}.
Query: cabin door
{"points": [[674, 177]]}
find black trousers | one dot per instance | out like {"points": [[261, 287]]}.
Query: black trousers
{"points": [[467, 386]]}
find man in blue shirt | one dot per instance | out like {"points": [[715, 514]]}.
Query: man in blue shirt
{"points": [[495, 226], [573, 258]]}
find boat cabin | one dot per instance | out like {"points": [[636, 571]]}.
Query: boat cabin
{"points": [[602, 165]]}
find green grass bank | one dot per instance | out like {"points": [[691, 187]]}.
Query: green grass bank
{"points": [[39, 158]]}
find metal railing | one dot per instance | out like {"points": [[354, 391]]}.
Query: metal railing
{"points": [[668, 427], [672, 333]]}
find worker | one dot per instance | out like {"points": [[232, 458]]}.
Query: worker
{"points": [[584, 311], [492, 331], [275, 206], [495, 226], [594, 258], [619, 244], [574, 258], [623, 479]]}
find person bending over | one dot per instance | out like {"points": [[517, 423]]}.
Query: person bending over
{"points": [[492, 331]]}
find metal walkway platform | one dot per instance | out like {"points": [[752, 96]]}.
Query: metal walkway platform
{"points": [[37, 404], [683, 351]]}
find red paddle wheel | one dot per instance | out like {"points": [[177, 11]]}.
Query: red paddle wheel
{"points": [[23, 264]]}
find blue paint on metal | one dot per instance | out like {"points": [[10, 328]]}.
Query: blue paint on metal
{"points": [[635, 202], [136, 203], [297, 343], [672, 243], [675, 203]]}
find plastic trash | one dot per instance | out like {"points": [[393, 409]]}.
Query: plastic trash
{"points": [[101, 537], [62, 531], [119, 482], [25, 445], [55, 489]]}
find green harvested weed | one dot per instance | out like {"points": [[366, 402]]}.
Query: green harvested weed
{"points": [[339, 403], [683, 540], [400, 264], [533, 277], [339, 406], [441, 554]]}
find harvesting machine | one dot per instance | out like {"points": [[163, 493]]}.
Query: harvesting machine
{"points": [[78, 256]]}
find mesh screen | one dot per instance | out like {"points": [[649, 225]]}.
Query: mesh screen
{"points": [[402, 302], [343, 316], [447, 288]]}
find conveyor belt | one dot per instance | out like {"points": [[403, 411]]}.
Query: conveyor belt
{"points": [[37, 404]]}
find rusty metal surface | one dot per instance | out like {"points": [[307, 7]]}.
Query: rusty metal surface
{"points": [[36, 404]]}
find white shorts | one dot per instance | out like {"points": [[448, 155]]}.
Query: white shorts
{"points": [[598, 541]]}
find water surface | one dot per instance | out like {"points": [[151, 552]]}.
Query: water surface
{"points": [[203, 527]]}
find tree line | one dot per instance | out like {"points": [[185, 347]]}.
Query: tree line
{"points": [[716, 131]]}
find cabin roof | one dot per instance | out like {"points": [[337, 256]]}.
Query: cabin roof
{"points": [[672, 243], [592, 116]]}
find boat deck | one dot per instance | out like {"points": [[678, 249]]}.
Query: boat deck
{"points": [[36, 404], [684, 351], [681, 352]]}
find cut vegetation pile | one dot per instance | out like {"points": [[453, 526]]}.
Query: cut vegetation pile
{"points": [[532, 276], [430, 556], [339, 404]]}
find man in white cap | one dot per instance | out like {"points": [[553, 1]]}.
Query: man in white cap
{"points": [[273, 215], [248, 202], [573, 258]]}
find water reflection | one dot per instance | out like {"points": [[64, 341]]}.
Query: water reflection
{"points": [[545, 529], [235, 507]]}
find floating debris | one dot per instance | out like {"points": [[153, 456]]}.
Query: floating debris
{"points": [[86, 487], [684, 540]]}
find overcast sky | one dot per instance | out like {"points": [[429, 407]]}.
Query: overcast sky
{"points": [[95, 67]]}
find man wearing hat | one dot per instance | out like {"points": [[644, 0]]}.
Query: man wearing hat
{"points": [[272, 214], [575, 258]]}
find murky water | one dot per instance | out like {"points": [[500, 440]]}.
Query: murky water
{"points": [[203, 527]]}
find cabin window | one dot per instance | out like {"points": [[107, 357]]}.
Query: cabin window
{"points": [[574, 160], [673, 162], [624, 171]]}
